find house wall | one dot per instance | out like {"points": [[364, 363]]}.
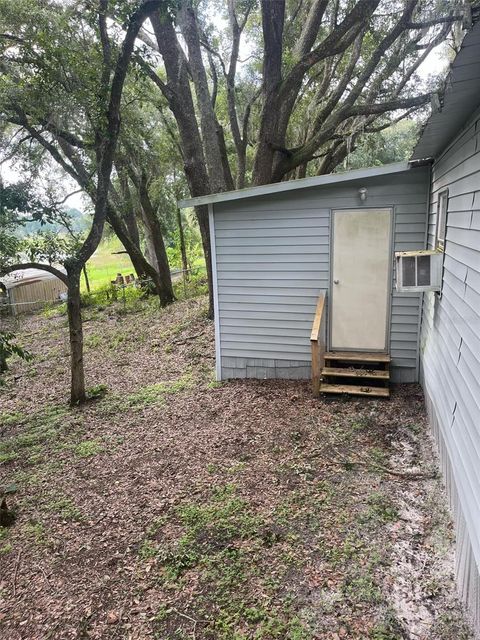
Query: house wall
{"points": [[29, 296], [272, 259], [450, 349]]}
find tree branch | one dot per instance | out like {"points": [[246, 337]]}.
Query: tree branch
{"points": [[338, 40], [110, 135], [164, 88], [71, 138], [426, 24], [20, 266], [310, 30], [63, 200], [105, 41], [21, 119], [393, 105]]}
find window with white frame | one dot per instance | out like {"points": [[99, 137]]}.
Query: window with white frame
{"points": [[442, 208]]}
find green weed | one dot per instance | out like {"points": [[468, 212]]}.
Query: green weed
{"points": [[11, 419], [388, 629], [52, 310], [93, 341], [156, 393], [381, 508], [97, 392], [223, 540], [362, 589], [65, 508], [5, 544], [38, 432], [6, 548], [36, 530], [147, 550], [88, 448], [216, 384], [7, 456], [117, 340]]}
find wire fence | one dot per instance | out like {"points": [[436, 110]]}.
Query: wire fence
{"points": [[112, 292]]}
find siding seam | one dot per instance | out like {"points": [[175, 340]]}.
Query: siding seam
{"points": [[216, 309]]}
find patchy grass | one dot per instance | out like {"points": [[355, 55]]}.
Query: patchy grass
{"points": [[97, 392], [64, 507], [381, 506], [224, 541], [156, 393], [5, 545], [105, 263], [173, 507], [88, 448], [32, 435], [34, 531]]}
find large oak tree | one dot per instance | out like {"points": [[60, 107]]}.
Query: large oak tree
{"points": [[318, 74], [64, 66]]}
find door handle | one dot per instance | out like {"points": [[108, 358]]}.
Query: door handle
{"points": [[336, 282]]}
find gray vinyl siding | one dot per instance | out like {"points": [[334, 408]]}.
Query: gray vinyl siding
{"points": [[273, 260], [450, 346]]}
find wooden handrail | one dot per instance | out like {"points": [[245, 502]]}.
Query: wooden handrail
{"points": [[317, 343]]}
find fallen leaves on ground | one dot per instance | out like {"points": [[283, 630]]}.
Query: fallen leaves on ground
{"points": [[175, 507]]}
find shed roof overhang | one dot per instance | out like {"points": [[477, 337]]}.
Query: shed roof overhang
{"points": [[459, 100], [293, 185]]}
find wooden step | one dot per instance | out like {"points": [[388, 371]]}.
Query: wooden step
{"points": [[376, 374], [355, 390], [357, 356]]}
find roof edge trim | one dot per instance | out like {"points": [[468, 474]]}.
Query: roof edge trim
{"points": [[293, 185]]}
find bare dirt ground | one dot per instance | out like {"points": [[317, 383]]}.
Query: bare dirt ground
{"points": [[178, 508]]}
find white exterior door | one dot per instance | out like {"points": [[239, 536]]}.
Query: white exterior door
{"points": [[360, 279]]}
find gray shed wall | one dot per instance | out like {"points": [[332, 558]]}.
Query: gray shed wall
{"points": [[450, 349], [272, 257]]}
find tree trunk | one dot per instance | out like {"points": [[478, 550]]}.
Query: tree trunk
{"points": [[138, 263], [132, 229], [121, 232], [125, 215], [181, 104], [183, 248], [3, 360], [203, 223], [149, 243], [212, 133], [85, 275], [77, 387], [128, 207], [302, 170], [142, 268], [151, 220], [270, 138]]}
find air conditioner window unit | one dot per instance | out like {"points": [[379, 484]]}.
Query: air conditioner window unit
{"points": [[419, 271]]}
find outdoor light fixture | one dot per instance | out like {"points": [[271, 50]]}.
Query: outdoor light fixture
{"points": [[362, 193]]}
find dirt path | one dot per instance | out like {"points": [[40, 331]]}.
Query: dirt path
{"points": [[177, 508]]}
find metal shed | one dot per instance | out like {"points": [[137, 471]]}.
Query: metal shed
{"points": [[276, 249], [30, 289]]}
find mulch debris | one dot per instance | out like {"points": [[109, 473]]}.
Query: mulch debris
{"points": [[175, 507]]}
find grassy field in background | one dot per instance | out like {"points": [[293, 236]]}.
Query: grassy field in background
{"points": [[105, 263]]}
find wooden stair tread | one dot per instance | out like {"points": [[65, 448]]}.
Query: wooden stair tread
{"points": [[357, 356], [377, 374], [355, 390]]}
